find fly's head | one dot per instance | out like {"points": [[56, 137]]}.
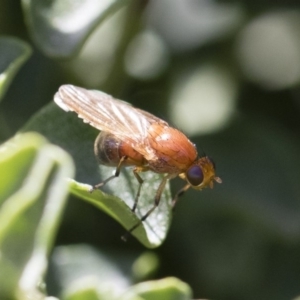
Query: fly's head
{"points": [[202, 174]]}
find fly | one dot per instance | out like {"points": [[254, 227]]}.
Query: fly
{"points": [[132, 137]]}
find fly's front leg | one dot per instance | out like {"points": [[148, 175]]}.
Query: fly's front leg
{"points": [[148, 213], [178, 194], [117, 173]]}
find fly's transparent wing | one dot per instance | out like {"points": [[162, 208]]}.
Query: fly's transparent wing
{"points": [[105, 113]]}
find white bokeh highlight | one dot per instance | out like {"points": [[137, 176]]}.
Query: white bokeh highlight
{"points": [[268, 50], [203, 101]]}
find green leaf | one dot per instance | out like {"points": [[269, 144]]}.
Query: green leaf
{"points": [[145, 266], [69, 132], [83, 291], [165, 289], [60, 28], [32, 196], [84, 272], [13, 54], [81, 271]]}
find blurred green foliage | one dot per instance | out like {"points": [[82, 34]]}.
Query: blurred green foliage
{"points": [[224, 72]]}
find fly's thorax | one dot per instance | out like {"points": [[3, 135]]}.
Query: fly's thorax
{"points": [[201, 174], [109, 149], [173, 150]]}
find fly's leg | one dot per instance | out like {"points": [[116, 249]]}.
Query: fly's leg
{"points": [[141, 181], [148, 213], [179, 194], [117, 172]]}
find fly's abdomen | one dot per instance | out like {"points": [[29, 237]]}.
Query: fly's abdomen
{"points": [[109, 149], [106, 149]]}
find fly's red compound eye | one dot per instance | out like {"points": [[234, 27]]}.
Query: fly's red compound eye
{"points": [[194, 175]]}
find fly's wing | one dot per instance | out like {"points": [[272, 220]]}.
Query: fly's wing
{"points": [[105, 113]]}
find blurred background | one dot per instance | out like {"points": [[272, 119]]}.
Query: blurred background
{"points": [[227, 74]]}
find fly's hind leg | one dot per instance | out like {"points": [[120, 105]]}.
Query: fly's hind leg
{"points": [[141, 181], [117, 173], [148, 213]]}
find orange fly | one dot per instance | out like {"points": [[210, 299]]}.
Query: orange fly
{"points": [[132, 137]]}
